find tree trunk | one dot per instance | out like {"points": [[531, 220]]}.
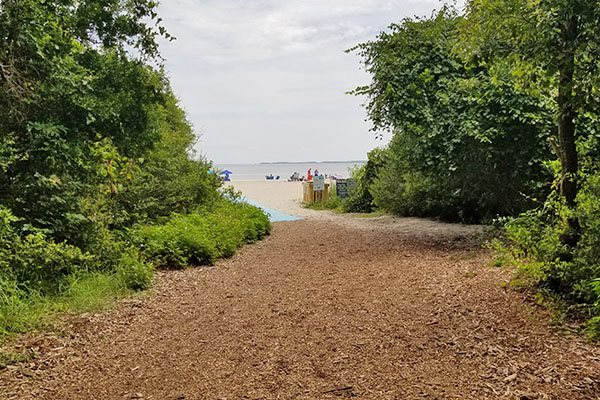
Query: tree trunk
{"points": [[566, 121]]}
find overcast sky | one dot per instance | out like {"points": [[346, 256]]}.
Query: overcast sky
{"points": [[265, 80]]}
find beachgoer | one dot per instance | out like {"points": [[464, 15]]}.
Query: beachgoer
{"points": [[316, 172], [309, 175]]}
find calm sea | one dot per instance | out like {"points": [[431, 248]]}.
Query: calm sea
{"points": [[252, 172]]}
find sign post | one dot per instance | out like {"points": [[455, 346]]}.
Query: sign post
{"points": [[319, 186], [344, 187]]}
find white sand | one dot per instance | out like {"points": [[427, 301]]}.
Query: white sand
{"points": [[287, 198], [280, 195]]}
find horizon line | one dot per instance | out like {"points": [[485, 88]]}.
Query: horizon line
{"points": [[295, 162]]}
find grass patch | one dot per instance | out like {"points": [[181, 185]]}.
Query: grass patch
{"points": [[94, 292], [22, 311], [40, 279], [15, 357], [373, 214], [332, 203]]}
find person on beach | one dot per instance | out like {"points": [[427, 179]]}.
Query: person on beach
{"points": [[316, 172], [309, 175]]}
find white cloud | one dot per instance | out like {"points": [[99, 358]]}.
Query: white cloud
{"points": [[264, 80]]}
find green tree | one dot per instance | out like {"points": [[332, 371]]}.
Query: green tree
{"points": [[67, 81], [361, 199], [172, 177], [465, 146], [543, 45], [93, 143]]}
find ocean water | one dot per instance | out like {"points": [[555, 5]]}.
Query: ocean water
{"points": [[253, 172]]}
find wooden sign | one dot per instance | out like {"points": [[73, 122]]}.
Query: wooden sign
{"points": [[319, 183], [344, 187]]}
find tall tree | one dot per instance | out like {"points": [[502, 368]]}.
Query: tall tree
{"points": [[68, 78], [454, 152], [549, 45]]}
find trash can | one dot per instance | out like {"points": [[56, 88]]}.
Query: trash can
{"points": [[307, 192], [310, 196]]}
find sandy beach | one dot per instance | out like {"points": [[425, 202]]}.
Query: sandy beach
{"points": [[287, 197], [280, 195]]}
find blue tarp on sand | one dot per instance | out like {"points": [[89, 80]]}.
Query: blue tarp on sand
{"points": [[274, 215]]}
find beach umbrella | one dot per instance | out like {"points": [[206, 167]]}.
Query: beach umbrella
{"points": [[226, 172]]}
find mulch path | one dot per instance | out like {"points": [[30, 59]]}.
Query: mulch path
{"points": [[319, 311]]}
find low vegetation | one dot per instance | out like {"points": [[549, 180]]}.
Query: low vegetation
{"points": [[333, 203], [99, 180], [202, 237]]}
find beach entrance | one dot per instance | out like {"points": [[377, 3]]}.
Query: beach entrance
{"points": [[326, 307]]}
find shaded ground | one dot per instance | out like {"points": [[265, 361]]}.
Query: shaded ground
{"points": [[319, 310]]}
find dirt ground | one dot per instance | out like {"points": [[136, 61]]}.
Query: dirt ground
{"points": [[369, 308]]}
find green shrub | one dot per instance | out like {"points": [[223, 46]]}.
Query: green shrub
{"points": [[17, 307], [568, 273], [332, 203], [361, 198], [252, 221], [536, 237], [201, 238], [134, 273], [593, 327], [41, 264], [181, 241]]}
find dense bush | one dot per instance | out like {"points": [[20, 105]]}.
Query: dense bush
{"points": [[41, 264], [361, 198], [132, 272], [568, 274], [465, 146], [93, 142], [39, 276], [170, 179], [38, 264], [200, 238]]}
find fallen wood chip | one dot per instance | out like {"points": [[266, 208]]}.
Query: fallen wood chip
{"points": [[510, 378], [338, 389]]}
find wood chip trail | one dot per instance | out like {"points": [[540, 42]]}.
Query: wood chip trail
{"points": [[320, 310]]}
